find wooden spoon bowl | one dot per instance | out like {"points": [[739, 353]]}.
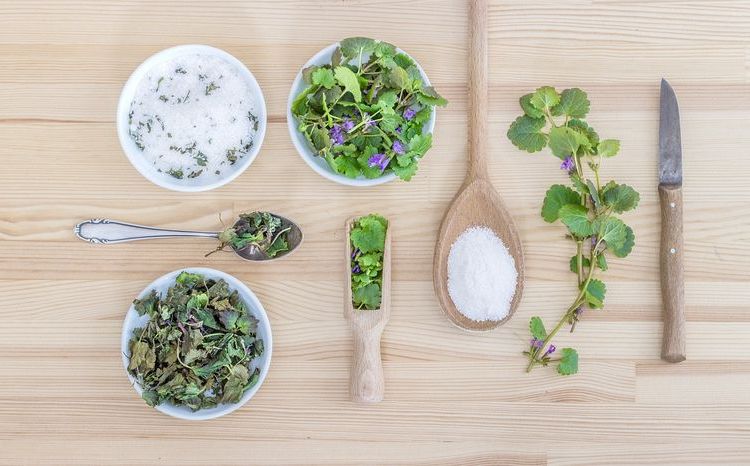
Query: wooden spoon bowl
{"points": [[367, 383], [477, 203]]}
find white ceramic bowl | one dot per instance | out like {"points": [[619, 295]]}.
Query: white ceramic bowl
{"points": [[134, 154], [161, 284], [307, 153]]}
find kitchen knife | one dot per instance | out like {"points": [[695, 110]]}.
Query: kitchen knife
{"points": [[671, 252]]}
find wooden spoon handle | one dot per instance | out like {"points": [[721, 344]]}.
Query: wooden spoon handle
{"points": [[367, 381], [672, 287], [478, 89]]}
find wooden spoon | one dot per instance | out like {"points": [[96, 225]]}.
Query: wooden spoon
{"points": [[367, 383], [477, 203]]}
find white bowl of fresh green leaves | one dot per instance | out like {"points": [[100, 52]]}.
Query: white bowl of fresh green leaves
{"points": [[196, 344], [361, 112]]}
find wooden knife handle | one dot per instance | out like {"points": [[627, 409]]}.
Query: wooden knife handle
{"points": [[367, 383], [672, 285]]}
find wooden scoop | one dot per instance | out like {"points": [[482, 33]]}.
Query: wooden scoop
{"points": [[366, 377], [477, 203]]}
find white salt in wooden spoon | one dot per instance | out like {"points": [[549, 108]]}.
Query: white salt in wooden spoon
{"points": [[367, 383], [477, 203]]}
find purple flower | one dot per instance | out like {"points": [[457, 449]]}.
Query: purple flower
{"points": [[354, 253], [536, 343], [337, 134], [551, 349], [579, 311], [568, 164], [409, 113], [356, 269], [348, 125], [378, 160], [398, 147], [594, 240], [398, 129]]}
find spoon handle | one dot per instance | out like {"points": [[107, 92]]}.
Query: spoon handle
{"points": [[478, 90], [106, 231]]}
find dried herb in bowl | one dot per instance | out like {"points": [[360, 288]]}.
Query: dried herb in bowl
{"points": [[198, 347], [368, 249], [365, 112], [261, 230]]}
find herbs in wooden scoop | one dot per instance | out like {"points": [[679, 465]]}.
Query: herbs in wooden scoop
{"points": [[368, 247], [198, 346], [366, 110], [261, 230], [587, 207]]}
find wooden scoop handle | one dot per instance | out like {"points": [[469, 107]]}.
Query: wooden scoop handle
{"points": [[478, 90], [367, 381], [672, 286]]}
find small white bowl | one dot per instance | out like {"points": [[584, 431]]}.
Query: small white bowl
{"points": [[307, 153], [255, 308], [134, 154]]}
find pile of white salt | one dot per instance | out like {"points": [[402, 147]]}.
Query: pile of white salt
{"points": [[482, 275]]}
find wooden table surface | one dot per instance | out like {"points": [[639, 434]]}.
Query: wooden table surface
{"points": [[451, 397]]}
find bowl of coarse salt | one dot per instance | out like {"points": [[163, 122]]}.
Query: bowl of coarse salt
{"points": [[191, 118]]}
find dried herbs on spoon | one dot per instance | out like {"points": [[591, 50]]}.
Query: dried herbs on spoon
{"points": [[198, 347], [261, 230]]}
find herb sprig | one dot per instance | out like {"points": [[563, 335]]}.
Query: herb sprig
{"points": [[365, 111], [198, 346], [368, 247], [261, 230], [588, 207]]}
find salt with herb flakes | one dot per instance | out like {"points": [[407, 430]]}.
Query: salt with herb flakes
{"points": [[482, 275], [194, 116]]}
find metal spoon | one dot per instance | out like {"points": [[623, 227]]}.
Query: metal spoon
{"points": [[106, 231]]}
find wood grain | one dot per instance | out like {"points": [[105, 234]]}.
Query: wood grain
{"points": [[451, 397], [672, 272]]}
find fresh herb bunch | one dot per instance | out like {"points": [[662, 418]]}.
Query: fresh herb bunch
{"points": [[588, 208], [261, 230], [366, 110], [198, 346], [368, 247]]}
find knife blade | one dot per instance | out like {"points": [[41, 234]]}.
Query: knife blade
{"points": [[671, 252]]}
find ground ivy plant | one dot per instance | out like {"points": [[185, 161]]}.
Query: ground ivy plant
{"points": [[588, 207], [368, 249], [365, 112]]}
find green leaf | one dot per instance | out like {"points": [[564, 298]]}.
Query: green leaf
{"points": [[323, 77], [368, 296], [348, 79], [583, 128], [353, 47], [594, 293], [207, 318], [568, 362], [525, 133], [429, 96], [229, 319], [557, 196], [399, 79], [279, 245], [403, 60], [575, 217], [369, 233], [386, 100], [148, 305], [347, 166], [390, 122], [420, 144], [545, 97], [612, 231], [198, 301], [536, 327], [601, 262], [564, 142], [320, 139], [574, 263], [234, 387], [594, 193], [627, 245], [621, 197], [405, 172], [573, 103], [529, 109], [384, 49], [608, 147], [189, 279]]}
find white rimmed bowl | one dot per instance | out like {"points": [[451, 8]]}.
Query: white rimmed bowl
{"points": [[134, 154], [304, 149], [255, 308]]}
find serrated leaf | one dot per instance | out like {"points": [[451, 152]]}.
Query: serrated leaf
{"points": [[583, 128], [621, 197], [405, 173], [608, 147], [323, 77], [399, 79], [564, 142], [573, 103], [574, 263], [612, 231], [353, 47], [420, 144], [627, 245], [529, 109], [429, 96], [575, 217], [348, 79], [536, 327], [594, 293], [368, 295], [557, 196], [525, 133], [545, 97], [568, 362]]}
